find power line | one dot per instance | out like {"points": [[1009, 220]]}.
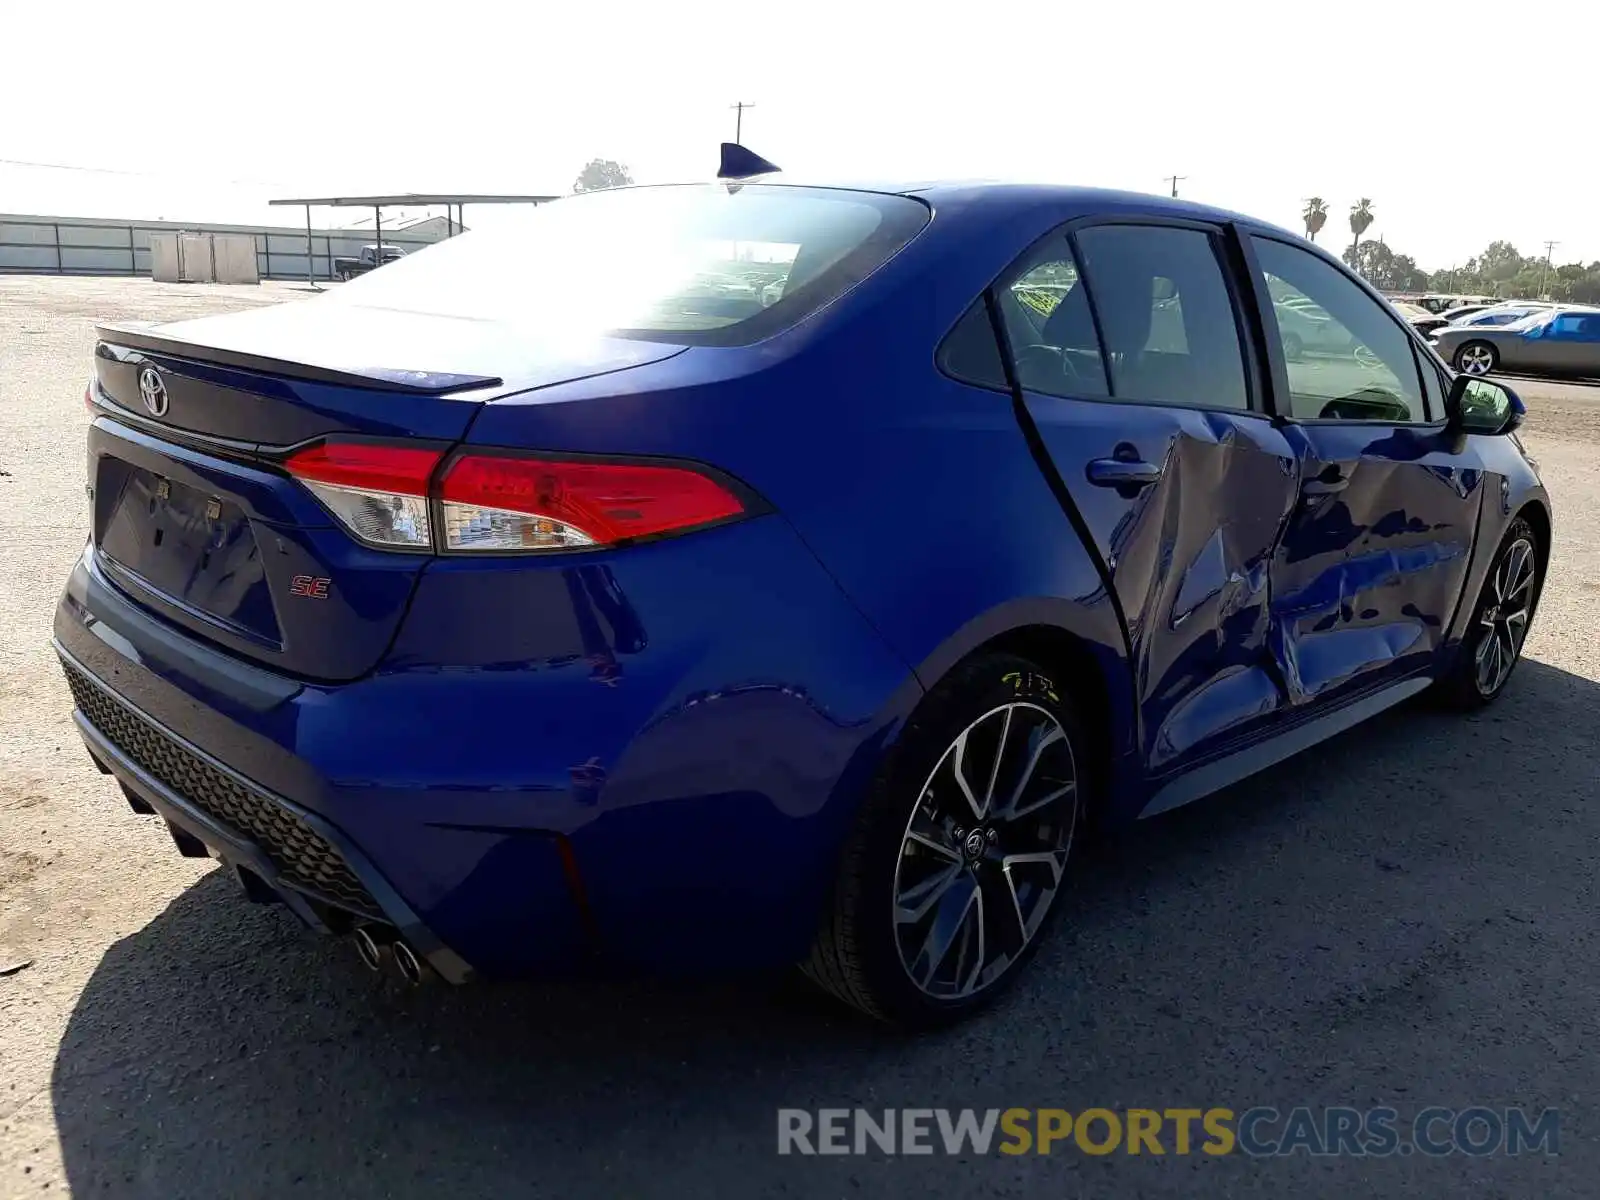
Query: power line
{"points": [[50, 166], [44, 166], [1174, 180], [738, 120]]}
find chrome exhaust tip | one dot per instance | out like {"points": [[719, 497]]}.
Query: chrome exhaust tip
{"points": [[370, 952], [408, 964]]}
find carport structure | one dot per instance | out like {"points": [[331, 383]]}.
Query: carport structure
{"points": [[454, 203]]}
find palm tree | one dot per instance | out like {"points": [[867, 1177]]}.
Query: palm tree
{"points": [[1315, 216], [1361, 219]]}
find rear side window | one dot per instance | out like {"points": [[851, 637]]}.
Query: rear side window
{"points": [[1049, 325], [970, 352], [1166, 315], [701, 264]]}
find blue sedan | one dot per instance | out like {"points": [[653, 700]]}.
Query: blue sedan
{"points": [[729, 575]]}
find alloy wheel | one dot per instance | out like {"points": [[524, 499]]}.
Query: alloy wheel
{"points": [[1504, 616], [1477, 359], [985, 850]]}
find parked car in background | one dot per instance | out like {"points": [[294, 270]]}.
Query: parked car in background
{"points": [[549, 601], [1559, 341], [1303, 326], [1423, 320], [1441, 302], [1501, 314], [370, 258]]}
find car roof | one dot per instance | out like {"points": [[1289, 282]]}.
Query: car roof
{"points": [[1002, 197], [1003, 194]]}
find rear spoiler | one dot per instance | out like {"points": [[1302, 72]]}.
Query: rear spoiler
{"points": [[389, 379]]}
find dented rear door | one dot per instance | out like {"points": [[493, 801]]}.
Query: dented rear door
{"points": [[1148, 402]]}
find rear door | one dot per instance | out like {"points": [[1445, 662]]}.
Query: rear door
{"points": [[1132, 365], [1376, 553]]}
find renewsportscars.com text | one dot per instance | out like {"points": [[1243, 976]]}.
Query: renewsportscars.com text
{"points": [[1258, 1132]]}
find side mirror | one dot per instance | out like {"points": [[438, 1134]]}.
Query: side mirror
{"points": [[1477, 405]]}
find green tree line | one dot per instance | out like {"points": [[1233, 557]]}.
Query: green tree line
{"points": [[1501, 270]]}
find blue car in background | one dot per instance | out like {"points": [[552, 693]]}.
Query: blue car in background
{"points": [[738, 574]]}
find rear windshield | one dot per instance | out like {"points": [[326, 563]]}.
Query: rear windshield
{"points": [[703, 264]]}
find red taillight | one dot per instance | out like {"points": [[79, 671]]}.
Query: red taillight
{"points": [[401, 469], [495, 502], [379, 493], [498, 502]]}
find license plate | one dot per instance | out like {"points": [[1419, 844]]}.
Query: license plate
{"points": [[183, 543]]}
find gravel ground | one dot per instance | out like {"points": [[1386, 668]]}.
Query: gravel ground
{"points": [[1402, 916]]}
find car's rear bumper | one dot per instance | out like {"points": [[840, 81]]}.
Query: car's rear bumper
{"points": [[676, 805], [309, 865]]}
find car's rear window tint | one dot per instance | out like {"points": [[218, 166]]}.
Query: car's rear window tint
{"points": [[704, 264]]}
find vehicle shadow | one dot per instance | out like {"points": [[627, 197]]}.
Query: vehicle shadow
{"points": [[1332, 931]]}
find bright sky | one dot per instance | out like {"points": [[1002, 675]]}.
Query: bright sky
{"points": [[214, 108]]}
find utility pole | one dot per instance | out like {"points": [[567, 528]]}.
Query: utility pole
{"points": [[1544, 276], [738, 120], [1174, 180]]}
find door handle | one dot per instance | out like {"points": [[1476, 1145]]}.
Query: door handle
{"points": [[1330, 481], [1122, 473]]}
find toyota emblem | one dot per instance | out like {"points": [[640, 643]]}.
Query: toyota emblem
{"points": [[153, 392]]}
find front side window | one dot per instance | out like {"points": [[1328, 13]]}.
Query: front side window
{"points": [[1166, 315], [700, 264], [1347, 357], [1497, 318]]}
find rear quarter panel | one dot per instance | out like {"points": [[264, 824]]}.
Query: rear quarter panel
{"points": [[918, 494]]}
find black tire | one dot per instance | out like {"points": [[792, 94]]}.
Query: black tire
{"points": [[1293, 348], [1464, 686], [859, 954], [1474, 349]]}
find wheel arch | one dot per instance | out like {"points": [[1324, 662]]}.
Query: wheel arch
{"points": [[1081, 661], [1537, 514], [1069, 663]]}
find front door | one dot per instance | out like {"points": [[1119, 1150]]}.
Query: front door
{"points": [[1148, 402], [1372, 565], [1571, 343]]}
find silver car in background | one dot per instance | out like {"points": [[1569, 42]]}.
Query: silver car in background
{"points": [[1561, 341], [1499, 314]]}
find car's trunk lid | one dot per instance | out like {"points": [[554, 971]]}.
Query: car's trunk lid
{"points": [[194, 514]]}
